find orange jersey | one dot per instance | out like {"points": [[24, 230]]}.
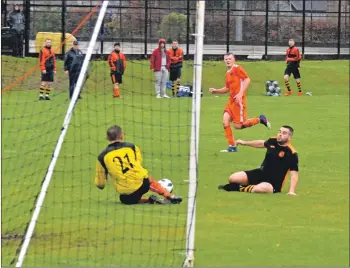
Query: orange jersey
{"points": [[293, 54], [176, 55], [117, 61], [234, 80], [47, 59]]}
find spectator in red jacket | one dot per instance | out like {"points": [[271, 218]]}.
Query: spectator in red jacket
{"points": [[160, 64]]}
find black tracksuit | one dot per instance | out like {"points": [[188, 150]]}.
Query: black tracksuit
{"points": [[73, 62]]}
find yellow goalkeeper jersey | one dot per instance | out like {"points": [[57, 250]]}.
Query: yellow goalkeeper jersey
{"points": [[123, 163]]}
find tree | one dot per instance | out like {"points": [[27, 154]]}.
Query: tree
{"points": [[173, 27]]}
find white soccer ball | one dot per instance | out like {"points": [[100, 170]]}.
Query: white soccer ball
{"points": [[272, 89], [268, 93], [278, 90], [167, 184], [275, 83], [275, 94]]}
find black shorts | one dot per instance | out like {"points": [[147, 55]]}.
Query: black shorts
{"points": [[257, 176], [47, 77], [175, 73], [134, 198], [116, 78], [292, 68]]}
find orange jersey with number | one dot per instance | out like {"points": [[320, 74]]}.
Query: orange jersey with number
{"points": [[234, 79]]}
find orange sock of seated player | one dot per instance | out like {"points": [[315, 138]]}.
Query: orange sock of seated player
{"points": [[251, 122], [159, 189], [144, 200], [229, 135]]}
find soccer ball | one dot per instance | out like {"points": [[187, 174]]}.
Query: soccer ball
{"points": [[267, 85], [275, 83], [271, 89], [278, 90], [268, 93], [167, 184], [275, 94]]}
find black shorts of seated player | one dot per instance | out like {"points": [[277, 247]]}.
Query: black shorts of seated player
{"points": [[257, 176], [292, 68], [175, 73], [47, 77], [116, 78], [135, 197]]}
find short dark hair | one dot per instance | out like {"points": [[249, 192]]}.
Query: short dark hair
{"points": [[291, 130], [229, 54], [116, 44], [175, 41], [114, 133]]}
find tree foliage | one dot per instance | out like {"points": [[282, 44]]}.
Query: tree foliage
{"points": [[173, 26]]}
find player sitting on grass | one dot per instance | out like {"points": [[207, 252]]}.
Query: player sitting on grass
{"points": [[280, 158], [123, 162]]}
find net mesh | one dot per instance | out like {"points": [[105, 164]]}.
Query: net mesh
{"points": [[79, 224]]}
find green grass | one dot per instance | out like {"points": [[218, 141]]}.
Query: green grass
{"points": [[80, 225]]}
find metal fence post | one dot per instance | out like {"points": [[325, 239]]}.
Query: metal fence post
{"points": [[339, 28], [63, 25], [146, 22], [188, 29], [102, 35], [4, 7], [303, 31], [266, 28], [26, 28], [228, 26]]}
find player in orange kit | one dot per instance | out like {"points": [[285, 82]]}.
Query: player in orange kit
{"points": [[237, 82]]}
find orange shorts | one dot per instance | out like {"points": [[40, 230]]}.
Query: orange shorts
{"points": [[237, 112]]}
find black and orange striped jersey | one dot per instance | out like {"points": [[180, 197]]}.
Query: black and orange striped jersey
{"points": [[293, 54], [117, 62], [123, 163], [176, 56], [279, 160], [47, 60]]}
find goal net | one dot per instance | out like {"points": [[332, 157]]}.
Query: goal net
{"points": [[52, 212]]}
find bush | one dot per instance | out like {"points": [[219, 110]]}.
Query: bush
{"points": [[173, 26]]}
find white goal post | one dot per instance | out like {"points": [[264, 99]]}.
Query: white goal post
{"points": [[40, 200], [194, 149]]}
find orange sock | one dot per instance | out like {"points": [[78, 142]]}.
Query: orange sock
{"points": [[116, 92], [229, 135], [157, 188], [251, 122], [144, 200]]}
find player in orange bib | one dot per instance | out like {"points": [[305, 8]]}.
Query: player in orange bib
{"points": [[237, 82]]}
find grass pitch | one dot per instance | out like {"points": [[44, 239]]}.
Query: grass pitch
{"points": [[80, 225]]}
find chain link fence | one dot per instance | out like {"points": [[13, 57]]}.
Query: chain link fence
{"points": [[257, 27]]}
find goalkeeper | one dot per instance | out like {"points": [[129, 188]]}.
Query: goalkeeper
{"points": [[123, 162]]}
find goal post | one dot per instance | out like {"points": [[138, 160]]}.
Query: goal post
{"points": [[195, 126], [52, 212], [46, 182]]}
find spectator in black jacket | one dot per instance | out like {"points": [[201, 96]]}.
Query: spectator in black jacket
{"points": [[16, 22], [73, 61]]}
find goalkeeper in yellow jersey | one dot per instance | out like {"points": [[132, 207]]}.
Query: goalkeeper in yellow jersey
{"points": [[122, 161]]}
